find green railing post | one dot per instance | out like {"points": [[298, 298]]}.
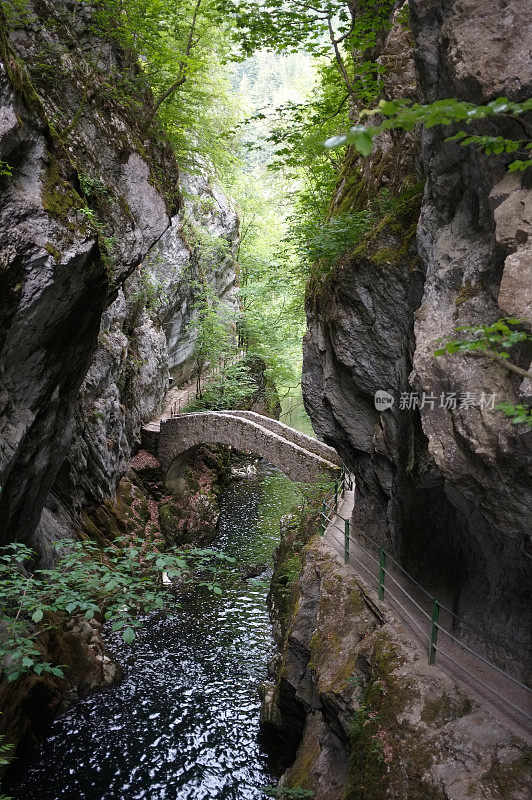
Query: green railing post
{"points": [[336, 495], [382, 573], [346, 542], [434, 631], [323, 518]]}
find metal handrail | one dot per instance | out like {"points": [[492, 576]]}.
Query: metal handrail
{"points": [[213, 373], [483, 658], [435, 627], [462, 621], [425, 613], [484, 684]]}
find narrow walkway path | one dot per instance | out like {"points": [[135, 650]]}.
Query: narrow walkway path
{"points": [[466, 670], [177, 397]]}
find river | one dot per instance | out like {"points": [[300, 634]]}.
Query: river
{"points": [[184, 722]]}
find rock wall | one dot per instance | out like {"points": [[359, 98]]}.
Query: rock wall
{"points": [[102, 244], [83, 205], [369, 717], [30, 705], [146, 338], [443, 488]]}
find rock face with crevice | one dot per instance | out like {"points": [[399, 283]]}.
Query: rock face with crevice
{"points": [[444, 488], [146, 337], [369, 717], [80, 210], [100, 257], [29, 706]]}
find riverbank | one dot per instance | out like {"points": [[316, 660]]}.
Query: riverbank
{"points": [[185, 718]]}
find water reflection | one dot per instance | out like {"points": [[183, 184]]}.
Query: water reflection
{"points": [[183, 725]]}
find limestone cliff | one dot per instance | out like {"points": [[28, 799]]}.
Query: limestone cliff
{"points": [[146, 338], [444, 488], [102, 244], [98, 263], [369, 717], [85, 202]]}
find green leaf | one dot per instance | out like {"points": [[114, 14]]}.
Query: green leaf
{"points": [[456, 137], [37, 615], [362, 139], [389, 107], [128, 635]]}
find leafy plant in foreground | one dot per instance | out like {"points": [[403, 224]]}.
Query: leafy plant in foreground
{"points": [[116, 584], [405, 115], [492, 341]]}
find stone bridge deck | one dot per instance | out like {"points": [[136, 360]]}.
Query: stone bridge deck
{"points": [[300, 457]]}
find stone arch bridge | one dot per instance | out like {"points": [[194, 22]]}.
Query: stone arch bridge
{"points": [[300, 457]]}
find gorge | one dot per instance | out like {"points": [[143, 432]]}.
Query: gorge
{"points": [[188, 192]]}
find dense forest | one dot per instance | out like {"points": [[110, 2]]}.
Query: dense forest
{"points": [[265, 299]]}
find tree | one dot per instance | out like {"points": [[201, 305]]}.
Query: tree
{"points": [[215, 331]]}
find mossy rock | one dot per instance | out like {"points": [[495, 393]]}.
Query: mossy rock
{"points": [[113, 519], [172, 524], [299, 774], [59, 197], [54, 252], [443, 709], [19, 76], [508, 778], [467, 291], [384, 751]]}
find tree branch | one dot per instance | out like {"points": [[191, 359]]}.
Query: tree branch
{"points": [[342, 104], [346, 35], [338, 57], [494, 356], [182, 73]]}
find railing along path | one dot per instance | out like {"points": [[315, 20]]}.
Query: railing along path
{"points": [[216, 370], [386, 576]]}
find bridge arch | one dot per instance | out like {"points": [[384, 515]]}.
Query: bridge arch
{"points": [[300, 457]]}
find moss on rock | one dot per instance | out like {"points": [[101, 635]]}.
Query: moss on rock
{"points": [[59, 197], [508, 778]]}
